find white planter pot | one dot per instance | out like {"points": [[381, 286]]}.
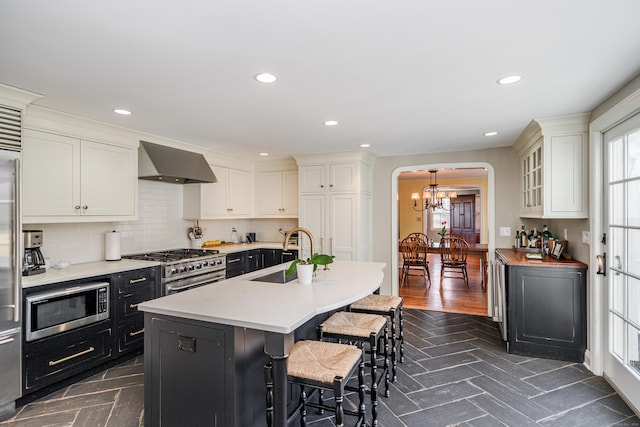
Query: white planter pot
{"points": [[305, 273]]}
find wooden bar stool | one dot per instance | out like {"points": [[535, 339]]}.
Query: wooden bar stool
{"points": [[324, 366], [386, 305], [363, 329]]}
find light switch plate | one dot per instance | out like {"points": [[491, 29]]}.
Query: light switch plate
{"points": [[505, 231], [586, 237]]}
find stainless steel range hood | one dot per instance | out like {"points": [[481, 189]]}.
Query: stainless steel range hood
{"points": [[167, 164]]}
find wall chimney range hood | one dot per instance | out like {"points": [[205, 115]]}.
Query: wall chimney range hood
{"points": [[167, 164]]}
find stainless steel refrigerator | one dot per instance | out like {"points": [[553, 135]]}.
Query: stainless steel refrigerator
{"points": [[10, 278]]}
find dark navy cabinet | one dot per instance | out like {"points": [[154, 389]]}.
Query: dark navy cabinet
{"points": [[131, 289], [547, 312], [203, 374], [243, 262]]}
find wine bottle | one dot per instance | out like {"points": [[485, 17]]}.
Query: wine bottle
{"points": [[546, 236], [517, 240], [524, 241]]}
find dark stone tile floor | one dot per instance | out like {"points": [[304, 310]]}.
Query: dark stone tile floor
{"points": [[456, 372]]}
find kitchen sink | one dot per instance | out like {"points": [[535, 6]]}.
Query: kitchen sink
{"points": [[276, 277]]}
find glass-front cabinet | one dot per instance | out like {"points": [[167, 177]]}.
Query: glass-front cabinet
{"points": [[554, 163], [532, 180]]}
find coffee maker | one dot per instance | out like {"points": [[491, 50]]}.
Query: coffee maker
{"points": [[33, 261]]}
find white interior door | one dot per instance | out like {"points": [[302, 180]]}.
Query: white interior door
{"points": [[622, 225]]}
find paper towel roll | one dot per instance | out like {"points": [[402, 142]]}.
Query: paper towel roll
{"points": [[112, 246]]}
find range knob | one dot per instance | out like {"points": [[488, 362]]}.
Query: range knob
{"points": [[191, 267], [198, 266]]}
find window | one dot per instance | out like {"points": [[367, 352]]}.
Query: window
{"points": [[440, 215]]}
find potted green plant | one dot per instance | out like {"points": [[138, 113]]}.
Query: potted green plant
{"points": [[307, 267]]}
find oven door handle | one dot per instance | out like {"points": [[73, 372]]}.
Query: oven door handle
{"points": [[194, 281]]}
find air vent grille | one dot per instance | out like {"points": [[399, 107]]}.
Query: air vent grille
{"points": [[10, 126]]}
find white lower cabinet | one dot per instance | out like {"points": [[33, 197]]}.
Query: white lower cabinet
{"points": [[68, 179], [230, 197]]}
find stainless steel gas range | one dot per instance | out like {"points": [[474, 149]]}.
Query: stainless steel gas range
{"points": [[184, 269]]}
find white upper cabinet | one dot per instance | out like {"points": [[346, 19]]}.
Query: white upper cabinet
{"points": [[342, 177], [230, 197], [553, 165], [277, 194], [69, 179]]}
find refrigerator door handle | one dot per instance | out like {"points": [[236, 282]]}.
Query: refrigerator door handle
{"points": [[17, 243]]}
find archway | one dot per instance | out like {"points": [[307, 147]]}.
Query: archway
{"points": [[488, 235]]}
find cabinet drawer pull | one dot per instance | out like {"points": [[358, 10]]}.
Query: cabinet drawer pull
{"points": [[85, 207], [231, 261], [287, 253], [133, 305], [6, 341], [73, 356], [133, 334], [142, 279], [76, 207]]}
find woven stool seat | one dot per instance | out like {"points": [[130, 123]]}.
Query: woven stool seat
{"points": [[353, 324], [377, 303], [366, 330], [322, 361], [317, 365], [390, 306]]}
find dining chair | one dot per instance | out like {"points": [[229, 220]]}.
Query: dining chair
{"points": [[453, 256], [414, 255], [418, 237]]}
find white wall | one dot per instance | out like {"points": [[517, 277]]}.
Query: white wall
{"points": [[159, 227]]}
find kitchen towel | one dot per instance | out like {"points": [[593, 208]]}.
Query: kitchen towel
{"points": [[112, 246]]}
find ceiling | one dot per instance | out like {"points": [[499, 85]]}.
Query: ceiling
{"points": [[406, 77]]}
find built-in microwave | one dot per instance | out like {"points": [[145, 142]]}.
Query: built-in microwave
{"points": [[52, 312]]}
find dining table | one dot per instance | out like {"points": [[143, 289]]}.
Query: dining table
{"points": [[477, 249]]}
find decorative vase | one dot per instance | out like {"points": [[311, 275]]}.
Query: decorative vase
{"points": [[305, 273]]}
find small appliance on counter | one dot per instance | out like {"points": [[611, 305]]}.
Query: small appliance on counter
{"points": [[251, 237], [33, 261]]}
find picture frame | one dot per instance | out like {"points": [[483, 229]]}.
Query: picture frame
{"points": [[558, 249]]}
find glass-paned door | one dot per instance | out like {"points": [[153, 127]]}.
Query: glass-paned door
{"points": [[622, 216]]}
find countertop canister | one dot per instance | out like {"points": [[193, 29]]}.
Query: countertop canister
{"points": [[112, 246]]}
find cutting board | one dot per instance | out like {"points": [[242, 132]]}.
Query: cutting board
{"points": [[219, 244]]}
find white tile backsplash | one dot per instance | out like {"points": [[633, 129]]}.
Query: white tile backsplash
{"points": [[159, 226]]}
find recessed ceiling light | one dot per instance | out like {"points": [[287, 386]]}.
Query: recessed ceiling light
{"points": [[264, 154], [365, 145], [509, 80], [122, 112], [330, 122], [266, 78], [491, 133]]}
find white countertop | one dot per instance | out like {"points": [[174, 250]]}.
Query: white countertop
{"points": [[272, 307], [84, 270]]}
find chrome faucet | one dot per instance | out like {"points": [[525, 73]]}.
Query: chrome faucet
{"points": [[285, 245]]}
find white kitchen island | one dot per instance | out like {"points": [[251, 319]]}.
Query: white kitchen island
{"points": [[205, 348]]}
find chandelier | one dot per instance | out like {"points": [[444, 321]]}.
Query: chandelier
{"points": [[431, 197]]}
